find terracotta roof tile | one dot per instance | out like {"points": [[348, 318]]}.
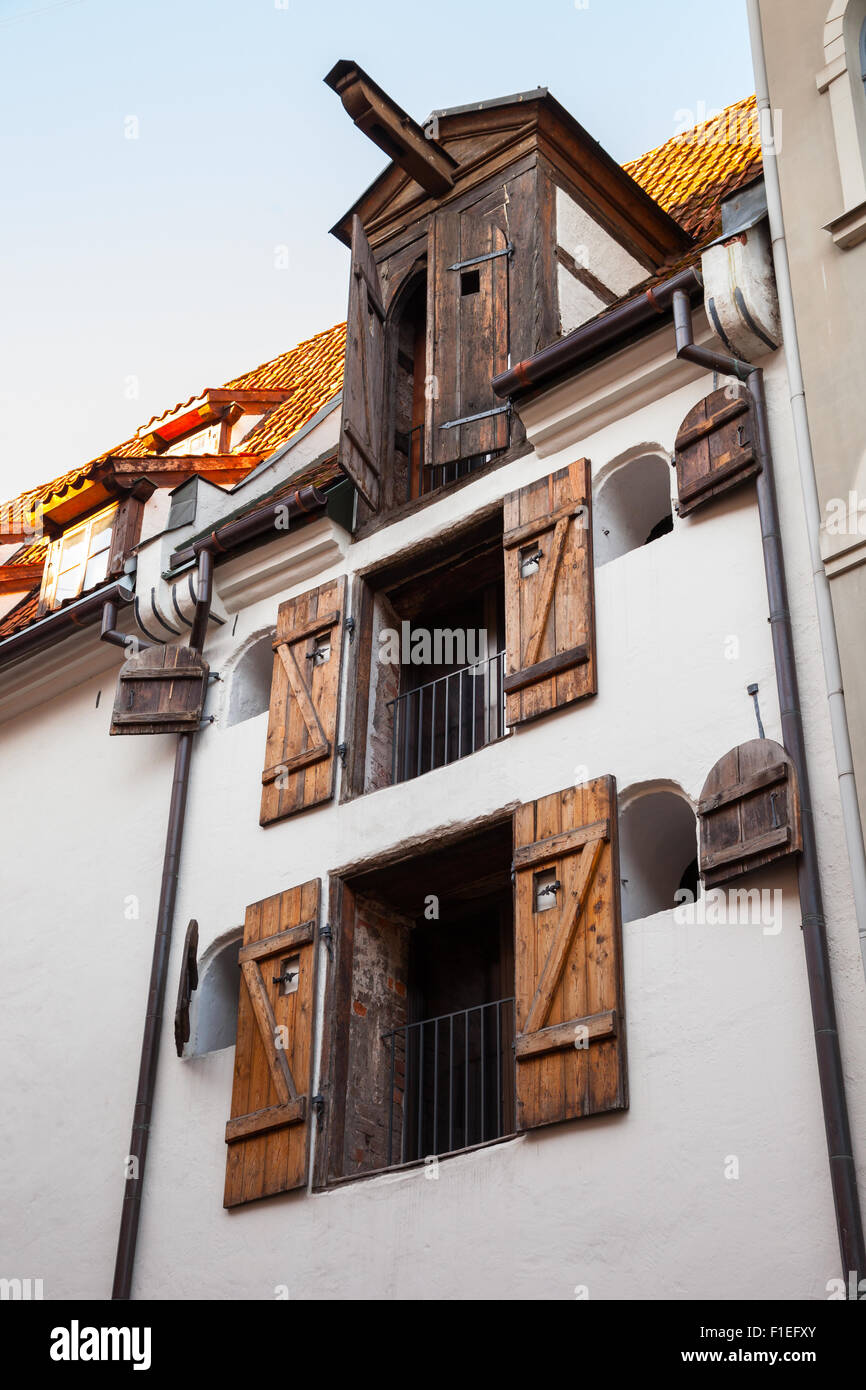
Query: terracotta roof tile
{"points": [[691, 172]]}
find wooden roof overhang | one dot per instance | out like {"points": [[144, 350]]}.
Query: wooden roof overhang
{"points": [[216, 404]]}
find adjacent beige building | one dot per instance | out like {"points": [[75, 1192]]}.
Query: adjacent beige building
{"points": [[815, 58]]}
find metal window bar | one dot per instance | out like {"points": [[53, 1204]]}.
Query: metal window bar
{"points": [[422, 478], [451, 1081], [447, 718]]}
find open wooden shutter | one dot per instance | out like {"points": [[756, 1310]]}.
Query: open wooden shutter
{"points": [[549, 594], [715, 447], [268, 1133], [467, 318], [749, 811], [364, 372], [569, 1004], [305, 694], [160, 691]]}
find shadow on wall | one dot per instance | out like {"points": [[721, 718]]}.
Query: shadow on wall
{"points": [[631, 507], [251, 681], [658, 846], [216, 1001]]}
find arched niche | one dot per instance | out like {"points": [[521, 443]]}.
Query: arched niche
{"points": [[631, 506], [658, 848]]}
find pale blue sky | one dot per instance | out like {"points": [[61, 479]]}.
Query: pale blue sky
{"points": [[154, 258]]}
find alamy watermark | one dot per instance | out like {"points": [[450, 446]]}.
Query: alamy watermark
{"points": [[735, 907]]}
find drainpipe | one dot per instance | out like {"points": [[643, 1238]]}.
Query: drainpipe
{"points": [[131, 1212], [811, 503], [843, 1174]]}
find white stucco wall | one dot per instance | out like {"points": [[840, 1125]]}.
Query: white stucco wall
{"points": [[721, 1060]]}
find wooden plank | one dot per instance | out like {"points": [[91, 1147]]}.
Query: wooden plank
{"points": [[552, 666], [251, 399], [555, 846], [560, 1035], [747, 849], [276, 1057], [299, 632], [766, 777], [389, 127], [262, 1121], [287, 940], [521, 535], [717, 416], [727, 467]]}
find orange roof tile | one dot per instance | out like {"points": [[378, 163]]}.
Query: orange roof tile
{"points": [[691, 172]]}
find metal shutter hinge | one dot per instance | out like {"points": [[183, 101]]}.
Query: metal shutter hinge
{"points": [[318, 1104], [342, 750], [326, 935]]}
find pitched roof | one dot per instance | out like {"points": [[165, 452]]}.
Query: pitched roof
{"points": [[687, 176]]}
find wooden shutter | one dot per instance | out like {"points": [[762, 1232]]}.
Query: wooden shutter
{"points": [[268, 1133], [160, 691], [749, 811], [549, 594], [305, 693], [715, 447], [187, 983], [569, 1004], [468, 333], [364, 372]]}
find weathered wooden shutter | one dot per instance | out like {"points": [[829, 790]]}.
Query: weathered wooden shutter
{"points": [[268, 1133], [569, 1004], [187, 983], [364, 372], [305, 693], [467, 322], [549, 594], [749, 811], [160, 691], [715, 447]]}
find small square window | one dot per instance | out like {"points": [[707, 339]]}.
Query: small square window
{"points": [[529, 562], [321, 651], [545, 886], [290, 970], [470, 282]]}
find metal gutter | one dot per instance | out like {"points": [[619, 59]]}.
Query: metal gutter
{"points": [[851, 818], [630, 317], [248, 525], [64, 621]]}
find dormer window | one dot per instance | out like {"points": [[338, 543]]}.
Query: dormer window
{"points": [[78, 561]]}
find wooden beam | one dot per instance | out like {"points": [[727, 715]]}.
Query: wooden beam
{"points": [[19, 579], [167, 470], [389, 127], [250, 401]]}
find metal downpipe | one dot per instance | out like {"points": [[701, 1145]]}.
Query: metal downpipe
{"points": [[843, 1175], [137, 1154]]}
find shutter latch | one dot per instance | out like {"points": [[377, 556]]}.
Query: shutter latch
{"points": [[342, 750], [318, 1104], [326, 935], [350, 626], [550, 888]]}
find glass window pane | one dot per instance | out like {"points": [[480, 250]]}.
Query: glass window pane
{"points": [[72, 549], [100, 534], [68, 585], [96, 569]]}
